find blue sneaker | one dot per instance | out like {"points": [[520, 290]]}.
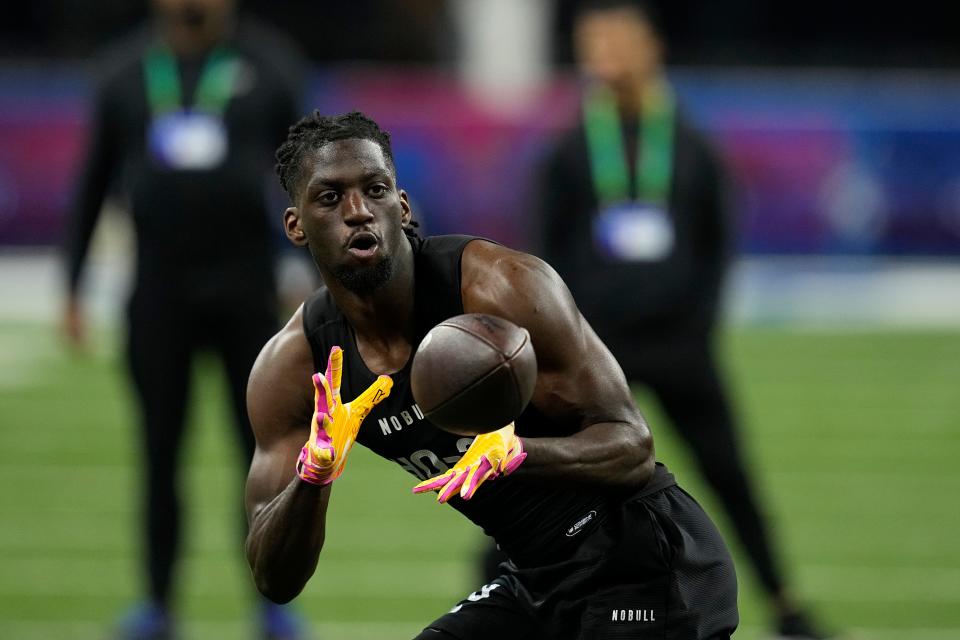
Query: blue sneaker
{"points": [[279, 622], [147, 621]]}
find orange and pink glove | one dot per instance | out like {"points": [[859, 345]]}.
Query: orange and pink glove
{"points": [[334, 427], [490, 455]]}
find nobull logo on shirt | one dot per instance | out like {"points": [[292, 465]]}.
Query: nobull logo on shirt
{"points": [[393, 424]]}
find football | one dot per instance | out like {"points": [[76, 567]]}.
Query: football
{"points": [[474, 373]]}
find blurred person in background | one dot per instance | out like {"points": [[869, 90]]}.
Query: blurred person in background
{"points": [[185, 121], [635, 219]]}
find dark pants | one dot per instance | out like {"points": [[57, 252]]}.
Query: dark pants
{"points": [[164, 333], [656, 567], [683, 375]]}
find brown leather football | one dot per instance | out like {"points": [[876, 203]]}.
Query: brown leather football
{"points": [[474, 373]]}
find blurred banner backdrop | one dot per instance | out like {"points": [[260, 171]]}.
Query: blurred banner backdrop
{"points": [[826, 162]]}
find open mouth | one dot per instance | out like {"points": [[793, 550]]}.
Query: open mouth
{"points": [[362, 244]]}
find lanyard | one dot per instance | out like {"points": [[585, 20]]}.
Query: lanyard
{"points": [[214, 88], [608, 157]]}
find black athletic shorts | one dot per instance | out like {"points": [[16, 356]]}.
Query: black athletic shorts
{"points": [[655, 566]]}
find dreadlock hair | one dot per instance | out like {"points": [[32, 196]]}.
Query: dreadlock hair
{"points": [[315, 130]]}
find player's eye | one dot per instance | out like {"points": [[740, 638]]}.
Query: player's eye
{"points": [[377, 190], [328, 197]]}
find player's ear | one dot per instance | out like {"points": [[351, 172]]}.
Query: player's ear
{"points": [[405, 206], [291, 225]]}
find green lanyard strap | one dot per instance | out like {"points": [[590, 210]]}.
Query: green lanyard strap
{"points": [[608, 157], [214, 89]]}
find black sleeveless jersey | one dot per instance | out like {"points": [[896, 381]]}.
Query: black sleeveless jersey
{"points": [[532, 522]]}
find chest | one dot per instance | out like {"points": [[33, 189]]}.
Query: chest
{"points": [[397, 429], [248, 113], [684, 191]]}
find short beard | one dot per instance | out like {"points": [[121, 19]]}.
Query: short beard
{"points": [[367, 279]]}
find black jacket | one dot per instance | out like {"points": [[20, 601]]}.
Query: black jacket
{"points": [[206, 229], [633, 302]]}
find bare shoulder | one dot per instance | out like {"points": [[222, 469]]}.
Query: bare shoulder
{"points": [[578, 380], [496, 278], [525, 290], [280, 390]]}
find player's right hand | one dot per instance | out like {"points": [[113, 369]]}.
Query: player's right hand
{"points": [[334, 427]]}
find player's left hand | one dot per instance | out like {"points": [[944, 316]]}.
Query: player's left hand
{"points": [[490, 455]]}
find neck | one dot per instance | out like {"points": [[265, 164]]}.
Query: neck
{"points": [[383, 320], [631, 95]]}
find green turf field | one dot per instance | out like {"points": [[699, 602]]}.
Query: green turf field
{"points": [[855, 437]]}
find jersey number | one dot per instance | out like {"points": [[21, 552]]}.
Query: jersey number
{"points": [[426, 464]]}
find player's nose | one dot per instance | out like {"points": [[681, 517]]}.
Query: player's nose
{"points": [[356, 211]]}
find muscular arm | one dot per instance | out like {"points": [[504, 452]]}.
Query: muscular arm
{"points": [[578, 383], [287, 516]]}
